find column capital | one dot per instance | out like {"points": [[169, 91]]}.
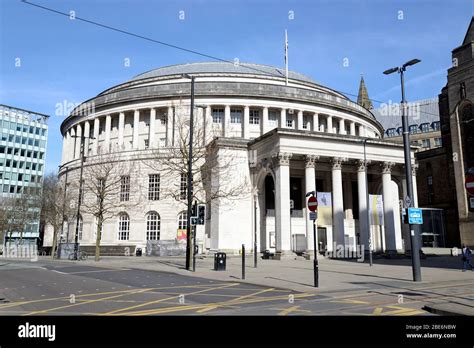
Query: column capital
{"points": [[311, 160], [337, 162], [387, 167], [362, 165], [282, 158]]}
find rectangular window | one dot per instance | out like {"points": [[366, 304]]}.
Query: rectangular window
{"points": [[254, 117], [183, 187], [235, 116], [125, 188], [289, 121], [154, 187], [438, 142], [217, 115], [426, 143], [272, 118]]}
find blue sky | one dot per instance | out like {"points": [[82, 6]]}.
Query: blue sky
{"points": [[69, 61]]}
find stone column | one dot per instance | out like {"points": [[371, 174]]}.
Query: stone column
{"points": [[342, 126], [87, 134], [108, 123], [169, 126], [152, 136], [136, 124], [353, 128], [207, 125], [283, 118], [282, 201], [337, 202], [389, 222], [329, 124], [120, 129], [65, 144], [246, 122], [315, 122], [364, 228], [300, 119], [361, 131], [264, 120], [226, 125], [310, 185], [78, 141], [95, 146]]}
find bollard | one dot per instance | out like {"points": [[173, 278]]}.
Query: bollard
{"points": [[316, 273], [243, 261]]}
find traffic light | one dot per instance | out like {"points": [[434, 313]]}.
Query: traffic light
{"points": [[201, 217]]}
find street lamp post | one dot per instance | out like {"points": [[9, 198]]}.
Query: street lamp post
{"points": [[79, 199], [190, 176], [64, 209], [415, 252]]}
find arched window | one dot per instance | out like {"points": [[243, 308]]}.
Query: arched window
{"points": [[124, 227], [183, 220], [467, 134], [153, 226]]}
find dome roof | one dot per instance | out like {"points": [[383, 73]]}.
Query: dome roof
{"points": [[222, 67]]}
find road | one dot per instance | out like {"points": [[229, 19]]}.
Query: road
{"points": [[66, 288]]}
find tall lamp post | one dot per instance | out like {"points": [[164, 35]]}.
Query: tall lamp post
{"points": [[415, 252], [79, 199]]}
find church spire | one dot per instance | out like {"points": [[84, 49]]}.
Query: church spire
{"points": [[363, 97]]}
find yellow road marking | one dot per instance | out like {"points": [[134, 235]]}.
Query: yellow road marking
{"points": [[396, 310], [86, 302], [166, 299], [235, 300], [350, 301], [292, 310], [206, 305]]}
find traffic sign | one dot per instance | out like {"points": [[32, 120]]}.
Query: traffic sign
{"points": [[470, 184], [415, 216], [313, 215], [312, 203]]}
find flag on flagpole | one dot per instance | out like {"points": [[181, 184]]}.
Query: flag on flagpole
{"points": [[286, 57]]}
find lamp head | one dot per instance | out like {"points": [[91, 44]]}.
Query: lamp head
{"points": [[390, 71]]}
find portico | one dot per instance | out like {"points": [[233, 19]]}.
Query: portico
{"points": [[290, 163]]}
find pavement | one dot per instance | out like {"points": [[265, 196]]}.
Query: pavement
{"points": [[161, 286]]}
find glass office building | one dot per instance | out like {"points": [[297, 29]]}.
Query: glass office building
{"points": [[23, 137]]}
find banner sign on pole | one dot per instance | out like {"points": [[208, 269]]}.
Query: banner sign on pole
{"points": [[324, 208], [376, 209]]}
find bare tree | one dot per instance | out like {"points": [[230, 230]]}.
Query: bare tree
{"points": [[102, 198], [172, 163], [56, 205]]}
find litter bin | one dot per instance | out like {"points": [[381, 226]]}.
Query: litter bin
{"points": [[220, 261], [138, 252]]}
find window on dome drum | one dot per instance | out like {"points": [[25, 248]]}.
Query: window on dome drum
{"points": [[153, 226], [124, 227], [426, 143], [125, 188], [217, 115], [235, 116], [183, 187], [154, 187], [254, 116], [305, 122], [425, 127], [289, 121], [182, 220], [436, 125], [272, 118]]}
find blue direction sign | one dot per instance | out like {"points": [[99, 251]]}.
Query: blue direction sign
{"points": [[415, 216]]}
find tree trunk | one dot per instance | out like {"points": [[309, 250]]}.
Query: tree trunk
{"points": [[55, 241], [97, 241]]}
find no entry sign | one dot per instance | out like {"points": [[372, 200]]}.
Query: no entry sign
{"points": [[470, 184], [312, 203]]}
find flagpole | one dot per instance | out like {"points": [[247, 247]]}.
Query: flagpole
{"points": [[286, 57]]}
